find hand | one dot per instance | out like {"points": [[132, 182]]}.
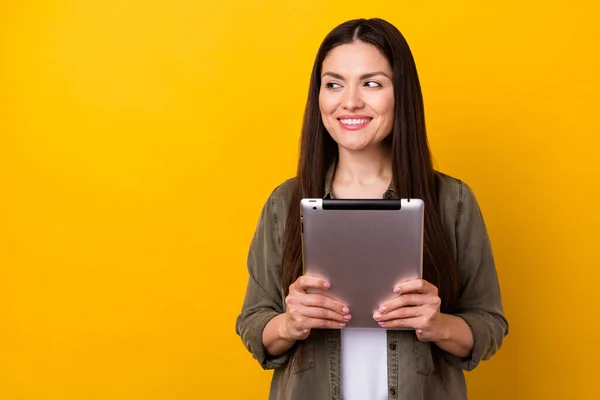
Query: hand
{"points": [[417, 306], [307, 311]]}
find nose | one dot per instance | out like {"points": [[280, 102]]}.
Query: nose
{"points": [[352, 99]]}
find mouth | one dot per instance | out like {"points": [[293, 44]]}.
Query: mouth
{"points": [[354, 123]]}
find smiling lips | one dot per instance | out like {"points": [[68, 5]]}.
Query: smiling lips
{"points": [[354, 122]]}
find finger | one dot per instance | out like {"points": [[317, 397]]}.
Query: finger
{"points": [[400, 313], [414, 323], [315, 300], [415, 286], [317, 323], [312, 282], [323, 313], [405, 300]]}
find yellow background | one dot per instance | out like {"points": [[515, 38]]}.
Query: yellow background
{"points": [[139, 139]]}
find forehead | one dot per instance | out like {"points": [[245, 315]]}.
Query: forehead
{"points": [[355, 58]]}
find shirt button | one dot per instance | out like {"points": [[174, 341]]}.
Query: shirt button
{"points": [[393, 346], [393, 391]]}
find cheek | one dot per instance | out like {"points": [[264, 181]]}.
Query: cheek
{"points": [[327, 104], [385, 108], [387, 105]]}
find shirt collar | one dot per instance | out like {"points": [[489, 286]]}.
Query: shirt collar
{"points": [[389, 194]]}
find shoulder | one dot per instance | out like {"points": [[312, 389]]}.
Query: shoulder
{"points": [[284, 190], [456, 200], [450, 191], [280, 198], [453, 190]]}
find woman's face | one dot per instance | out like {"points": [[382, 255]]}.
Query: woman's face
{"points": [[357, 96]]}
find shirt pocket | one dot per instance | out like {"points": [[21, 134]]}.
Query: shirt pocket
{"points": [[303, 358], [423, 358]]}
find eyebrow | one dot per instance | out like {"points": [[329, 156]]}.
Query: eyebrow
{"points": [[363, 76]]}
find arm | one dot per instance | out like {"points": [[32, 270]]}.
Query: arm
{"points": [[274, 338], [268, 324], [480, 302], [476, 331], [457, 338], [263, 301]]}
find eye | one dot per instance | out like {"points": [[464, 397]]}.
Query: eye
{"points": [[332, 85], [372, 84]]}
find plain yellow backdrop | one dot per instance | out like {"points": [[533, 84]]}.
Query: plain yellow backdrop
{"points": [[139, 140]]}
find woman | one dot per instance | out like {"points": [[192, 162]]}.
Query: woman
{"points": [[364, 137]]}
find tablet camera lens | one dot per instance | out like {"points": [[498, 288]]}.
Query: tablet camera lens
{"points": [[314, 208]]}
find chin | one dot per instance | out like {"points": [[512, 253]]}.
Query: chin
{"points": [[353, 145], [352, 141]]}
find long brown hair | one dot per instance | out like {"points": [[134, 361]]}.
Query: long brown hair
{"points": [[413, 173]]}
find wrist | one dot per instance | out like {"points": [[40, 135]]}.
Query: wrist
{"points": [[444, 330], [282, 329]]}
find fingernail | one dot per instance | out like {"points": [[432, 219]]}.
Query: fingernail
{"points": [[347, 317], [345, 310], [342, 324], [382, 309], [376, 315], [327, 285], [396, 290]]}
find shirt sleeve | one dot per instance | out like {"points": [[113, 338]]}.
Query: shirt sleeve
{"points": [[480, 301], [263, 299]]}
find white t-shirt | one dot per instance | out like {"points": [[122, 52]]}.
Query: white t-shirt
{"points": [[364, 364]]}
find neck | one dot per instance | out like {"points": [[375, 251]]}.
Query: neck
{"points": [[365, 166]]}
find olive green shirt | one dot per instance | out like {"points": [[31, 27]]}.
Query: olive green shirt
{"points": [[315, 373]]}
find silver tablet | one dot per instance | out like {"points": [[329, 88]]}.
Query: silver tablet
{"points": [[363, 248]]}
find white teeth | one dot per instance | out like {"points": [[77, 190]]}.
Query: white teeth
{"points": [[354, 121]]}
